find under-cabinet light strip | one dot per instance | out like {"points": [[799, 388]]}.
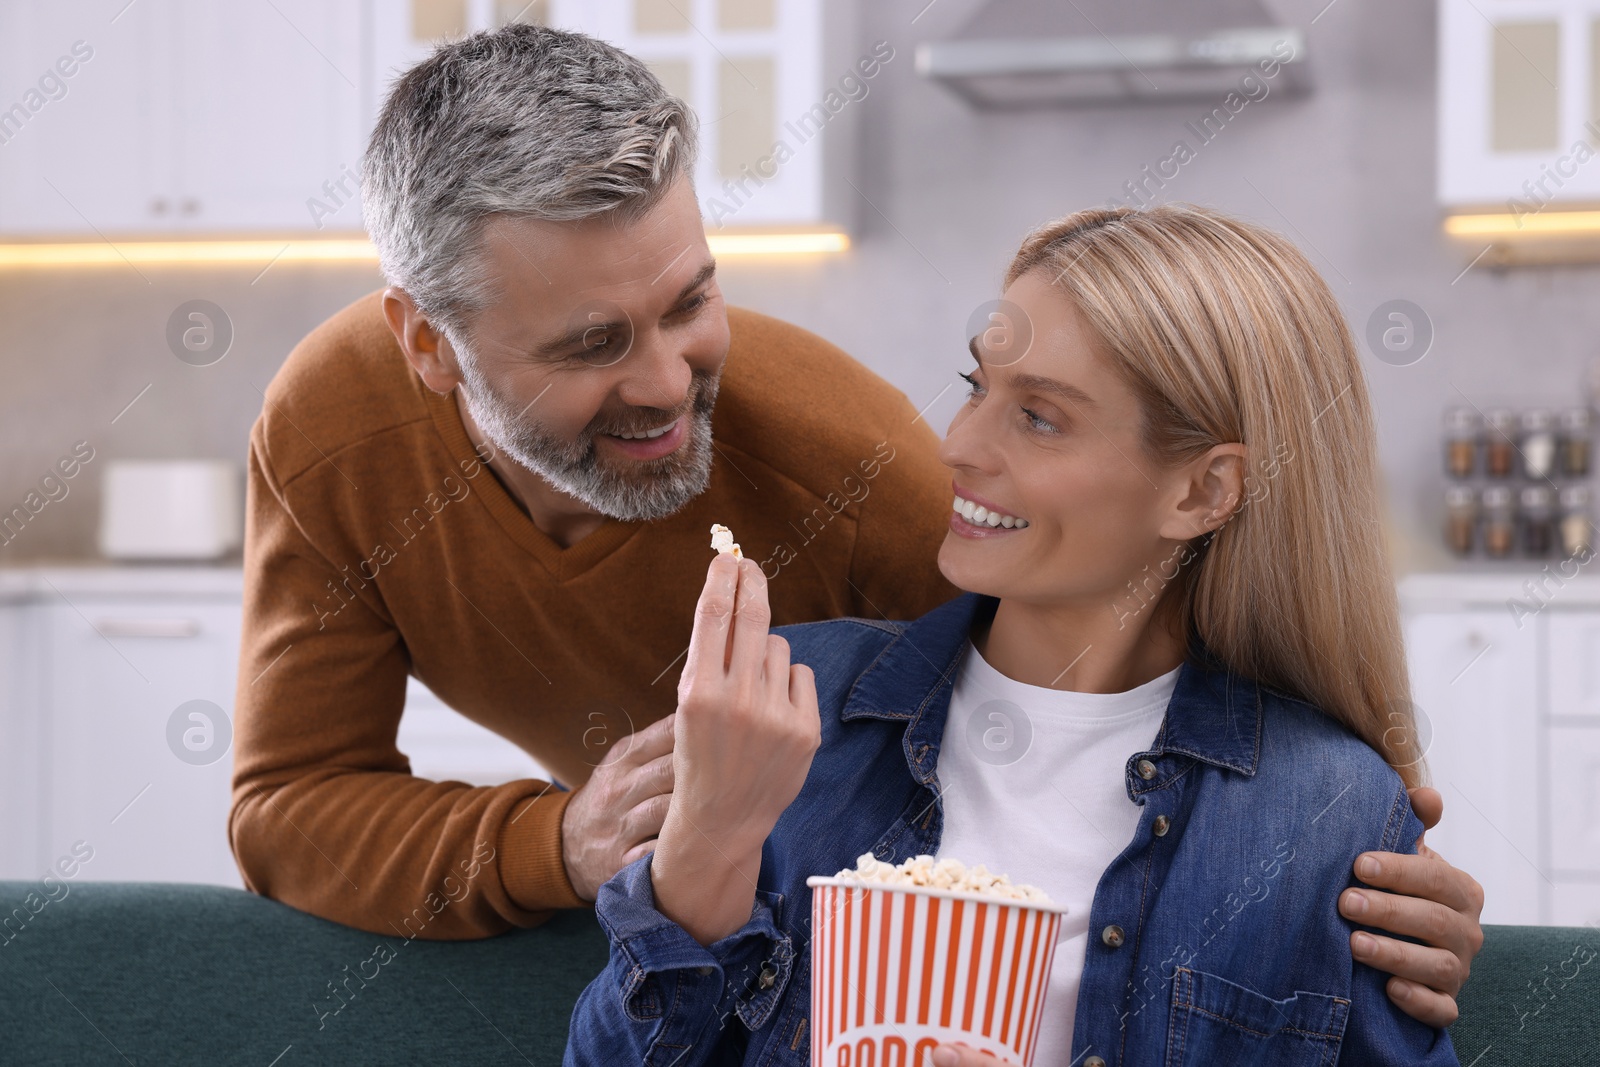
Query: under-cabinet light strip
{"points": [[262, 252]]}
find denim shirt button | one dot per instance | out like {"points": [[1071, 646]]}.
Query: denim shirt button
{"points": [[1094, 1061], [1163, 824], [1147, 770], [768, 975], [702, 970], [1112, 935]]}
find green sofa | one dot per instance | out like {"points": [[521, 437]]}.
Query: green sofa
{"points": [[148, 973]]}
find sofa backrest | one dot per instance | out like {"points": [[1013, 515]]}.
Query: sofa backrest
{"points": [[1533, 998], [153, 973], [177, 974]]}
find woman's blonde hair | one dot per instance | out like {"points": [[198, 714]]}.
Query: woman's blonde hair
{"points": [[1226, 333]]}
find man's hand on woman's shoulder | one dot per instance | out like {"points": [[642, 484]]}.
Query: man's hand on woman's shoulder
{"points": [[1429, 900]]}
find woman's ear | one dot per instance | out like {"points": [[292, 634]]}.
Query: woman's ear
{"points": [[426, 349], [1212, 491]]}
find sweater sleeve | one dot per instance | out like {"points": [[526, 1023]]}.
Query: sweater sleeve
{"points": [[894, 572], [665, 998], [326, 815]]}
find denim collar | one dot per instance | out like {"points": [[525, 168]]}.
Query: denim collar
{"points": [[1214, 715]]}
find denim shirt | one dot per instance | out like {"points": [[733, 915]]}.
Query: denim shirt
{"points": [[1215, 936]]}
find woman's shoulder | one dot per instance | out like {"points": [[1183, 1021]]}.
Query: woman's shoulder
{"points": [[845, 628], [836, 643], [1301, 728], [838, 651], [1307, 753], [1268, 731]]}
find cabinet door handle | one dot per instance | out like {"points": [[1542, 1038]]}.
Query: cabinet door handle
{"points": [[148, 627]]}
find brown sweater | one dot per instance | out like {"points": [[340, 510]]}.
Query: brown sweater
{"points": [[379, 545]]}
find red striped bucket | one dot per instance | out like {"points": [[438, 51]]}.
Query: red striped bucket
{"points": [[898, 970]]}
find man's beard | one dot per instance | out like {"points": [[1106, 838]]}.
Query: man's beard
{"points": [[629, 490]]}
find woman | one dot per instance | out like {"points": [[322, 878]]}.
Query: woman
{"points": [[1174, 696]]}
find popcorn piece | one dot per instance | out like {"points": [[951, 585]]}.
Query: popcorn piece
{"points": [[722, 540], [947, 873]]}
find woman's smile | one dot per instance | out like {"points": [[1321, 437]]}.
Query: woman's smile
{"points": [[974, 516]]}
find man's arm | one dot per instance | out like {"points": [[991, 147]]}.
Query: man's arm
{"points": [[326, 815], [1429, 900]]}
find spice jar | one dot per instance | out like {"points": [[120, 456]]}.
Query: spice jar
{"points": [[1462, 428], [1577, 529], [1499, 521], [1575, 441], [1538, 520], [1461, 518], [1538, 443], [1500, 450]]}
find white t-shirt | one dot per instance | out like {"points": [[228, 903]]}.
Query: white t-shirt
{"points": [[1034, 786]]}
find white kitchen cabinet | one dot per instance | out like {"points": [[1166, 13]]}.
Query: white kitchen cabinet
{"points": [[758, 73], [189, 117], [118, 670], [19, 740], [1510, 686], [1474, 676], [1574, 802], [89, 154], [95, 665], [273, 115], [1575, 665], [181, 116], [753, 70], [1517, 123]]}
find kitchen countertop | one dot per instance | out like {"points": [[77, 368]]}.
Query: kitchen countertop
{"points": [[1496, 588], [23, 583]]}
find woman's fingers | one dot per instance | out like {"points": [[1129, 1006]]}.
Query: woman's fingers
{"points": [[743, 745], [731, 625], [751, 617], [775, 671], [959, 1055], [803, 687], [713, 625]]}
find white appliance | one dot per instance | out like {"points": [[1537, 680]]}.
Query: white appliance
{"points": [[1044, 53], [171, 509]]}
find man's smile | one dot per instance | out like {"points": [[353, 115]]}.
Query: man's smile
{"points": [[649, 444]]}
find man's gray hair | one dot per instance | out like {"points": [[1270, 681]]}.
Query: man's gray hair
{"points": [[523, 121]]}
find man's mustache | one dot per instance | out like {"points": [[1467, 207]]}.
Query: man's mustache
{"points": [[650, 418]]}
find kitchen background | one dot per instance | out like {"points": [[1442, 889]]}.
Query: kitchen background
{"points": [[1388, 146]]}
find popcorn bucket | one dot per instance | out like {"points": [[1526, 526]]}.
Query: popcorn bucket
{"points": [[897, 970]]}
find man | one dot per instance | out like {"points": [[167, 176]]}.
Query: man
{"points": [[499, 474]]}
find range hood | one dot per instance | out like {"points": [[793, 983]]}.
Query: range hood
{"points": [[1048, 53]]}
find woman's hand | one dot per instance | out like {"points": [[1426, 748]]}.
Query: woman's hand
{"points": [[747, 720], [959, 1055], [745, 731]]}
